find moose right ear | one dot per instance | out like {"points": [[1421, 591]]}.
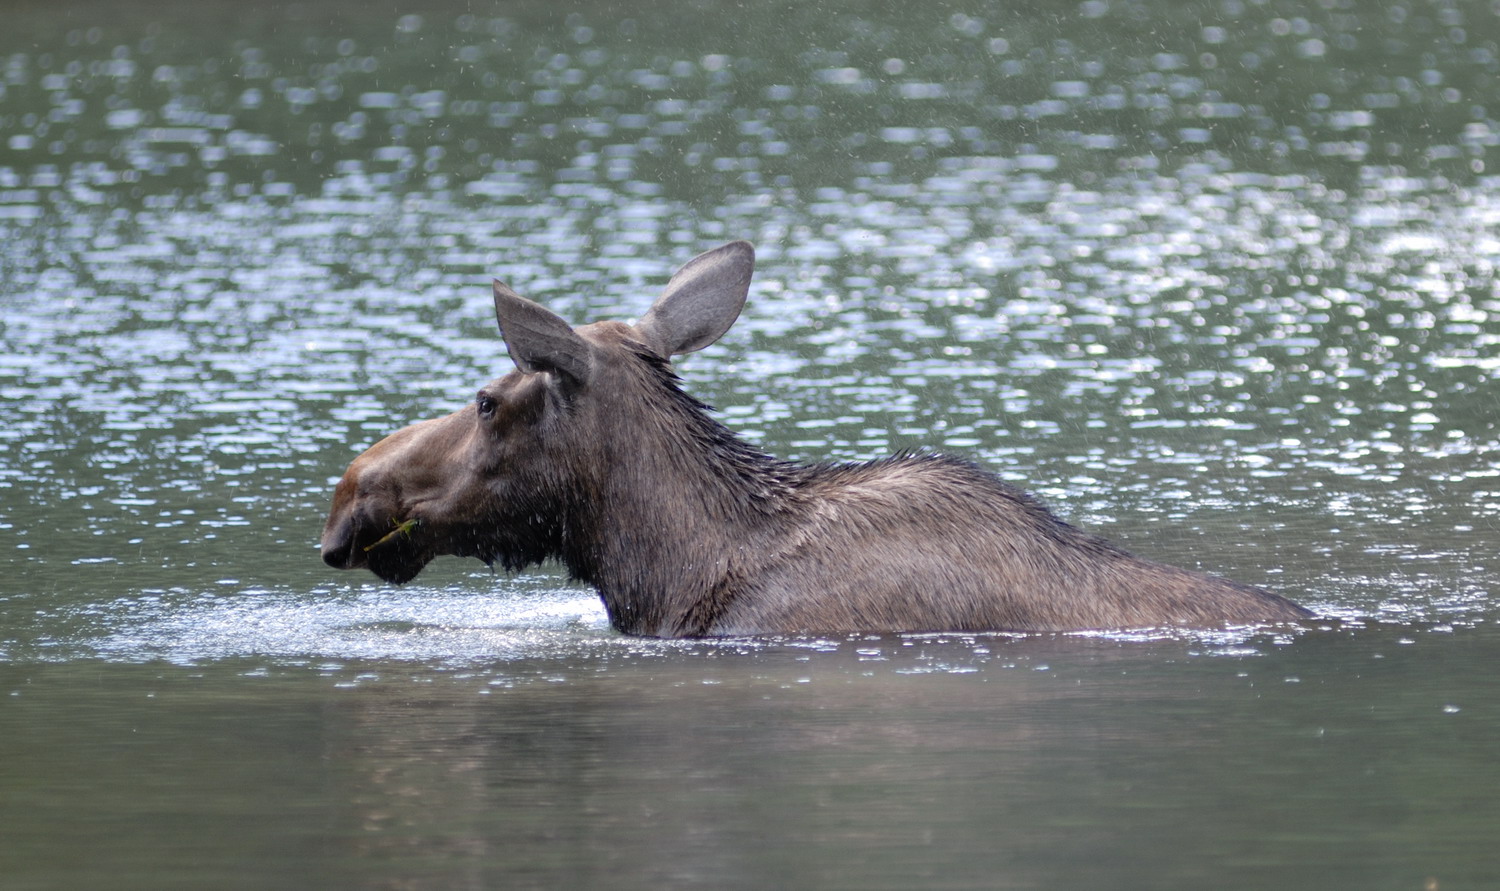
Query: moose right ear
{"points": [[539, 339], [701, 301]]}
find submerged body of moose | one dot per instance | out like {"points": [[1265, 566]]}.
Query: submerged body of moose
{"points": [[591, 454]]}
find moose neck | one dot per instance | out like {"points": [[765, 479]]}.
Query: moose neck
{"points": [[679, 496]]}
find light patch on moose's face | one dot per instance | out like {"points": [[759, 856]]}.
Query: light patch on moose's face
{"points": [[376, 519], [439, 487]]}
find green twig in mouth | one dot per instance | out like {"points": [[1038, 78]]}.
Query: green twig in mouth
{"points": [[403, 528]]}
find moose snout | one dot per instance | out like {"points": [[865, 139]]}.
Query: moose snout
{"points": [[338, 548], [341, 535]]}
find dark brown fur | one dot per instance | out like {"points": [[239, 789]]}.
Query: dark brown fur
{"points": [[592, 455]]}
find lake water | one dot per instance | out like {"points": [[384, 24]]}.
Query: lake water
{"points": [[1215, 279]]}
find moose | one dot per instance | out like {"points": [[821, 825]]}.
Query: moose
{"points": [[590, 453]]}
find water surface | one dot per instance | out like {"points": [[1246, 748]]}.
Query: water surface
{"points": [[1215, 279]]}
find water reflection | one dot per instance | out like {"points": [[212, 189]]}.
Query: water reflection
{"points": [[1123, 763]]}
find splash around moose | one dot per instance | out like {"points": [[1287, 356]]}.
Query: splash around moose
{"points": [[590, 453]]}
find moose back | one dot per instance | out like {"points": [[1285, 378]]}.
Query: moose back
{"points": [[591, 454]]}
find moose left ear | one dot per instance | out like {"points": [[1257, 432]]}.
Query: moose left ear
{"points": [[701, 301], [539, 339]]}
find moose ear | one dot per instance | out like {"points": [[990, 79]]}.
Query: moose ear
{"points": [[701, 301], [537, 338]]}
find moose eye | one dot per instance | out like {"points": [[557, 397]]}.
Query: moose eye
{"points": [[485, 404]]}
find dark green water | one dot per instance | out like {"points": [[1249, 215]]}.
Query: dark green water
{"points": [[1215, 279]]}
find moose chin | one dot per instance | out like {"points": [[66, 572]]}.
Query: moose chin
{"points": [[591, 454]]}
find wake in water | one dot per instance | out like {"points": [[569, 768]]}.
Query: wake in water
{"points": [[444, 626], [542, 619]]}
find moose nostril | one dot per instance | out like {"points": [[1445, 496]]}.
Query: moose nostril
{"points": [[336, 556]]}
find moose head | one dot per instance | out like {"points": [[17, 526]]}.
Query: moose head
{"points": [[497, 479]]}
